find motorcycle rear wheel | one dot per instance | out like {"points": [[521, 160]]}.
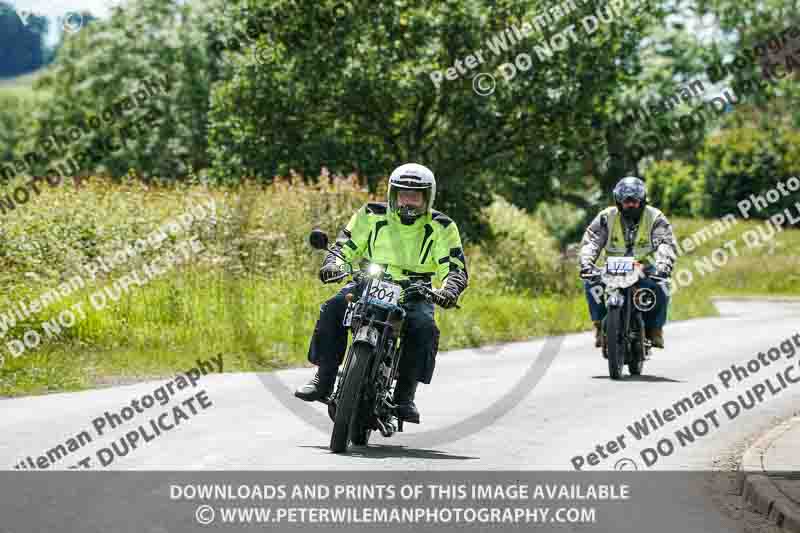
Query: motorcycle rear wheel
{"points": [[347, 405], [615, 342]]}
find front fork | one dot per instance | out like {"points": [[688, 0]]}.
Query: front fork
{"points": [[386, 343], [621, 298], [624, 298], [390, 365]]}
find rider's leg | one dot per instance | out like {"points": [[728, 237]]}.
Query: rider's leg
{"points": [[327, 347], [597, 309], [416, 361], [655, 319]]}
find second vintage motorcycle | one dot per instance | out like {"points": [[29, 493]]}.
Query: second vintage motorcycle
{"points": [[624, 340]]}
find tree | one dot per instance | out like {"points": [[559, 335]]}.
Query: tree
{"points": [[21, 42], [739, 162], [357, 94], [148, 67]]}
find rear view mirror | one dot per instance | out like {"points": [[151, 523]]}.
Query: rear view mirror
{"points": [[318, 239]]}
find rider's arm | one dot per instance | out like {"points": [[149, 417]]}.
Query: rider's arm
{"points": [[664, 241], [594, 240], [451, 264], [352, 240]]}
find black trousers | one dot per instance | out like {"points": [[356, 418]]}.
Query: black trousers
{"points": [[420, 341]]}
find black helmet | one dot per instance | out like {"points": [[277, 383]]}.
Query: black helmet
{"points": [[630, 187]]}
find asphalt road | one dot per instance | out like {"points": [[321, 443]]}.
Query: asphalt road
{"points": [[571, 410], [524, 406]]}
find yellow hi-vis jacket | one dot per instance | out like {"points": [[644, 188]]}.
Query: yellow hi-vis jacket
{"points": [[429, 248]]}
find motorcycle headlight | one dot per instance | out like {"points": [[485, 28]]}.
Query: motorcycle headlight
{"points": [[620, 281], [374, 269]]}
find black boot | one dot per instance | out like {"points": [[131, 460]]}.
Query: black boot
{"points": [[656, 336], [404, 398], [598, 334], [319, 388]]}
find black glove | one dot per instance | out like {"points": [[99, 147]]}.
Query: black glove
{"points": [[415, 292], [332, 272], [444, 297], [660, 273], [588, 272]]}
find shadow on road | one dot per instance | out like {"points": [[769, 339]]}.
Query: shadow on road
{"points": [[643, 378], [384, 451]]}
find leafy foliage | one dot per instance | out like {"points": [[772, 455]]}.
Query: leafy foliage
{"points": [[563, 221], [733, 164], [21, 42], [259, 89], [739, 162], [357, 96], [523, 254], [674, 187], [163, 135], [16, 107]]}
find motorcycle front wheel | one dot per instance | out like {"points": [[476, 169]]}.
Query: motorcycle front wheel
{"points": [[615, 343], [638, 351], [347, 405]]}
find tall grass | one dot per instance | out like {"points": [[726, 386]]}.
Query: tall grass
{"points": [[253, 295]]}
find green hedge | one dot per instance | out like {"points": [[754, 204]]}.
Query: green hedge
{"points": [[17, 106], [674, 187], [732, 165], [742, 161]]}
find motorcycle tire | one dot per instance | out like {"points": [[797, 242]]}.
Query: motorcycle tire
{"points": [[616, 345], [347, 406], [636, 366], [638, 354], [360, 429], [360, 436]]}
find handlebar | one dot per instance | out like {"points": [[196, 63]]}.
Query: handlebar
{"points": [[358, 276], [597, 273], [594, 275], [427, 291]]}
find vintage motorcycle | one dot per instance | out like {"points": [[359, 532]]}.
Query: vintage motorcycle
{"points": [[362, 399], [624, 340]]}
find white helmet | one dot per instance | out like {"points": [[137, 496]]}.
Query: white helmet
{"points": [[411, 176]]}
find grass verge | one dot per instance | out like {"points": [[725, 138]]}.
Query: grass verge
{"points": [[261, 319]]}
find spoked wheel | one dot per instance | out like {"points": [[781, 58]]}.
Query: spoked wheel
{"points": [[361, 438], [347, 406], [360, 428], [615, 342]]}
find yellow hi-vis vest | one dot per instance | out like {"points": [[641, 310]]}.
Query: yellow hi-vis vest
{"points": [[642, 245]]}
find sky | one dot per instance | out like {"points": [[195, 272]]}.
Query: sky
{"points": [[58, 8], [56, 11]]}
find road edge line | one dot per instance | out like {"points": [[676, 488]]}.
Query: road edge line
{"points": [[758, 490], [777, 299]]}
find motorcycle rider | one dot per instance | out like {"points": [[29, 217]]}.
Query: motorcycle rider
{"points": [[412, 242], [643, 231]]}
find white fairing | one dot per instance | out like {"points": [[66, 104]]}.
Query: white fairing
{"points": [[614, 278]]}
